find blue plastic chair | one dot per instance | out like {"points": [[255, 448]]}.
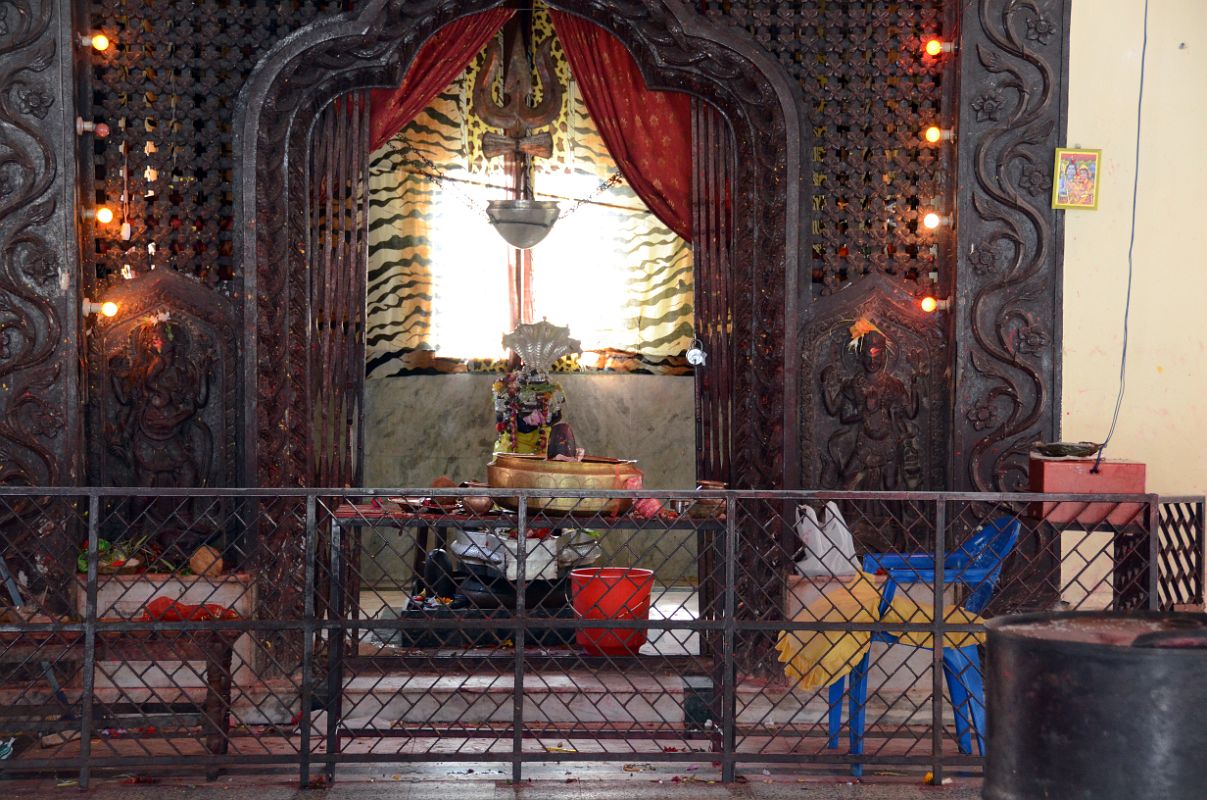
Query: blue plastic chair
{"points": [[976, 564]]}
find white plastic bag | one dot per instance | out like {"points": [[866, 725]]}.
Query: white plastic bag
{"points": [[829, 546]]}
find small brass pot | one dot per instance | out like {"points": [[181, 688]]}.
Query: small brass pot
{"points": [[515, 471], [708, 507], [478, 504]]}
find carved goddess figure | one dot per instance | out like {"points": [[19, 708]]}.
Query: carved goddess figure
{"points": [[876, 449]]}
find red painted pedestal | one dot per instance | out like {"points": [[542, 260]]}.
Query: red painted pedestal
{"points": [[1074, 476]]}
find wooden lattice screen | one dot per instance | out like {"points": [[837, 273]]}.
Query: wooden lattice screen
{"points": [[168, 86], [167, 89], [871, 91]]}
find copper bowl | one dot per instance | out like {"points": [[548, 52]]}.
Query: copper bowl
{"points": [[708, 507], [478, 504], [516, 471]]}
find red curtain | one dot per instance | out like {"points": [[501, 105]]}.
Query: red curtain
{"points": [[439, 61], [648, 133]]}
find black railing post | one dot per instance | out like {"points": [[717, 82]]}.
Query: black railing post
{"points": [[1200, 552], [335, 646], [1152, 522], [89, 688], [521, 622], [308, 640], [728, 721], [939, 629]]}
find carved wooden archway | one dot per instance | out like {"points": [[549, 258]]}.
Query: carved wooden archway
{"points": [[676, 50]]}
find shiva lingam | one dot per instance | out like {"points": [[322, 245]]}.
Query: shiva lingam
{"points": [[536, 449]]}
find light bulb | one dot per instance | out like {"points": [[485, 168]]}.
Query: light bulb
{"points": [[98, 129], [929, 304], [104, 215], [99, 42], [105, 309], [936, 134], [934, 47], [933, 220]]}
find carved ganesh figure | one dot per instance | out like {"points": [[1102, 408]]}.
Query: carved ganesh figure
{"points": [[876, 449], [161, 388], [161, 391]]}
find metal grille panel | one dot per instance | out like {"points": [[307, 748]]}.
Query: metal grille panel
{"points": [[110, 668]]}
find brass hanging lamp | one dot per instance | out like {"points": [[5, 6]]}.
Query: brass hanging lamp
{"points": [[522, 221]]}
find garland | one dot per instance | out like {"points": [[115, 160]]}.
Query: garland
{"points": [[523, 407]]}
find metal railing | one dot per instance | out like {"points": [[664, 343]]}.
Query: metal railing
{"points": [[354, 626]]}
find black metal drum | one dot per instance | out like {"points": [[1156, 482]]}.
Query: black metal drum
{"points": [[1097, 706]]}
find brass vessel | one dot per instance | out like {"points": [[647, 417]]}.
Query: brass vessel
{"points": [[708, 507], [477, 504], [516, 471]]}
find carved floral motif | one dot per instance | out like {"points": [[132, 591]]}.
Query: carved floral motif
{"points": [[37, 262], [982, 415], [1035, 180], [1008, 286], [1031, 340], [37, 355], [989, 105], [983, 259], [34, 101], [1040, 29], [39, 417]]}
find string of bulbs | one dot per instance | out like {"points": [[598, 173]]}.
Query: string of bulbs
{"points": [[935, 134], [101, 214]]}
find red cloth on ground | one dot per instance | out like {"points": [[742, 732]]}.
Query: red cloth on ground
{"points": [[648, 133], [439, 61], [165, 609]]}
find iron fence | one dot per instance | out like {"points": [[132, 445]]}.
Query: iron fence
{"points": [[207, 630]]}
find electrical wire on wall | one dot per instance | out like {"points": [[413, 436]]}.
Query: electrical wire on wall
{"points": [[1131, 248]]}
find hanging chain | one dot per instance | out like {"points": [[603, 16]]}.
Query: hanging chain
{"points": [[433, 173], [603, 187]]}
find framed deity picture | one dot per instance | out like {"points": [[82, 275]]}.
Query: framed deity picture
{"points": [[1075, 184]]}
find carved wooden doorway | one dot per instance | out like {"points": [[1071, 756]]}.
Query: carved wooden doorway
{"points": [[757, 129]]}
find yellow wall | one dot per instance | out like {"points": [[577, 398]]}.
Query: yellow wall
{"points": [[1164, 417]]}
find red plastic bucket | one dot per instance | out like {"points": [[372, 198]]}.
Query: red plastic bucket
{"points": [[611, 593]]}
